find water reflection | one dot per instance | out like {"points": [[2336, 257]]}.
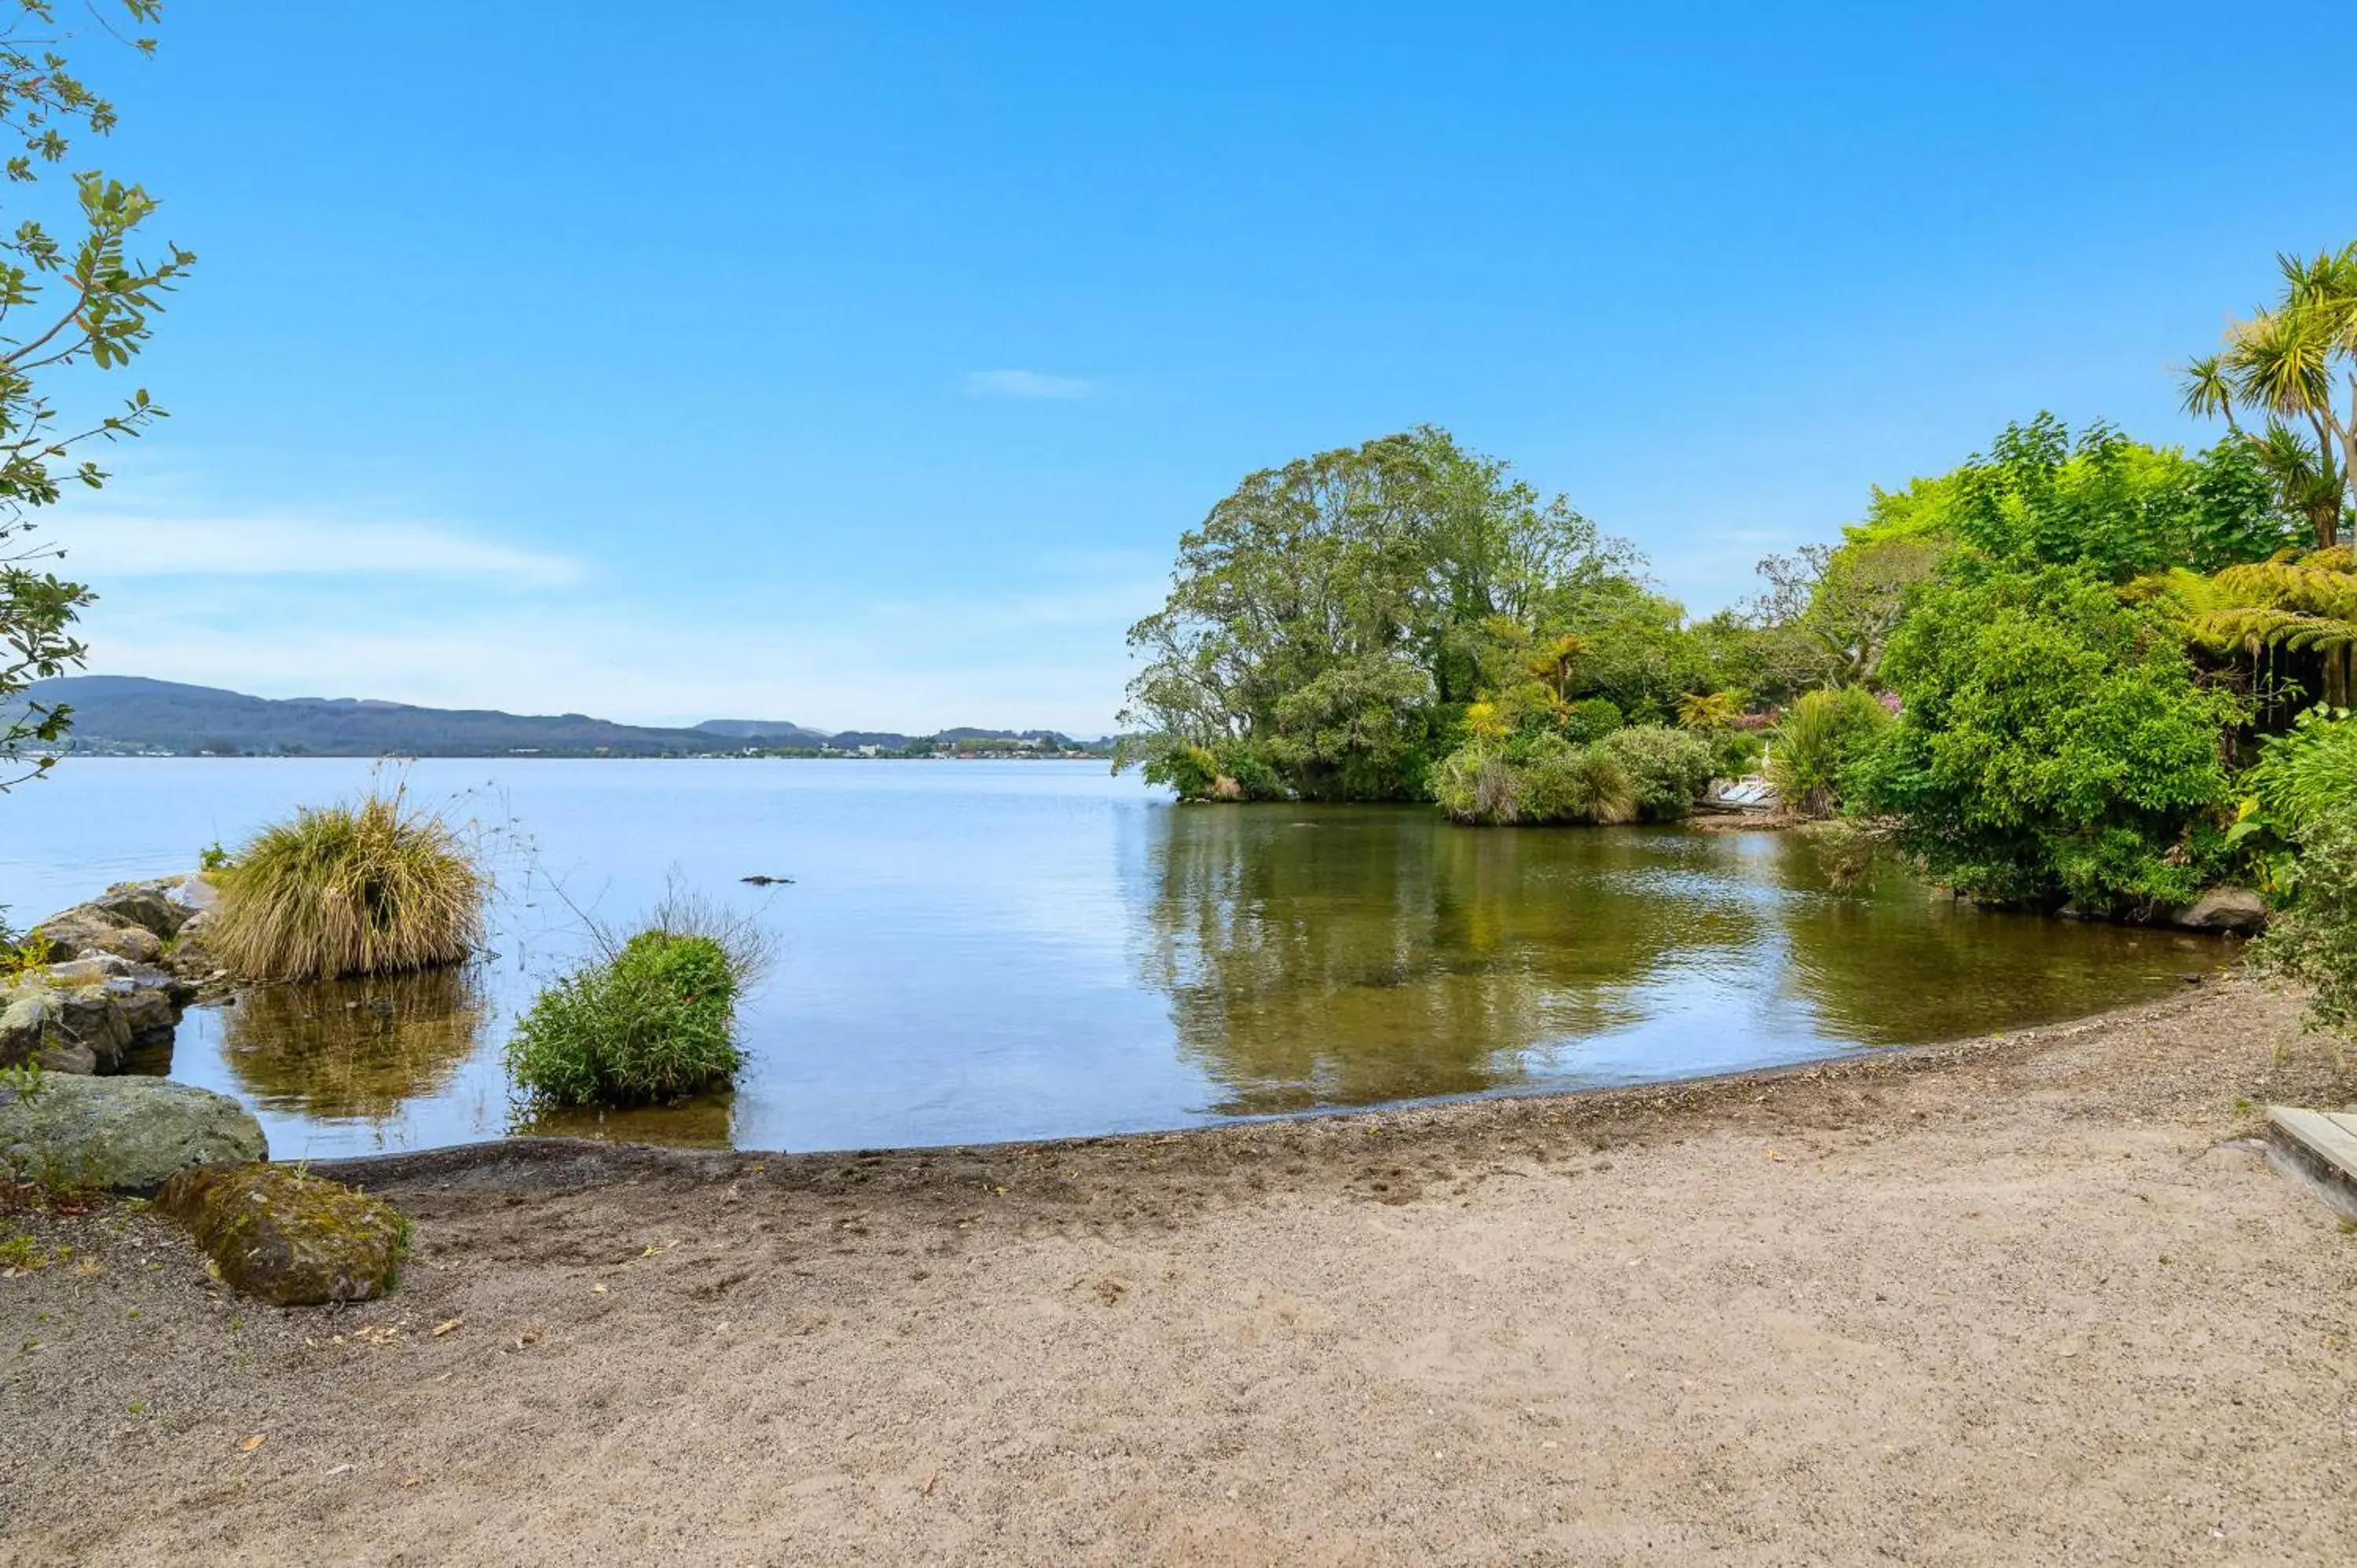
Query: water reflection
{"points": [[702, 1122], [1356, 956], [353, 1050], [983, 950]]}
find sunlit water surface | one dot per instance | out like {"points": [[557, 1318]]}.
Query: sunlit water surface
{"points": [[974, 951]]}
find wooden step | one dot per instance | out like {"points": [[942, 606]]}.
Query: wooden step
{"points": [[2323, 1141]]}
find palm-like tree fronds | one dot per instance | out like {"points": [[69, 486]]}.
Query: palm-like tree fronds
{"points": [[1706, 710], [2208, 392]]}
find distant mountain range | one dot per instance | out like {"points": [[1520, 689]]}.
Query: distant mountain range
{"points": [[129, 713]]}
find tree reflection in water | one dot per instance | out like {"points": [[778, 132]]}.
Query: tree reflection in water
{"points": [[1360, 954]]}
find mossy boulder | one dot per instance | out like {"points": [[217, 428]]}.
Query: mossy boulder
{"points": [[126, 1135], [290, 1239]]}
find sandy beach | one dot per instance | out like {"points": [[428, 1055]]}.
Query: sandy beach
{"points": [[2035, 1298]]}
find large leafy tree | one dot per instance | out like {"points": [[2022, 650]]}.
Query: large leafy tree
{"points": [[2292, 369], [1832, 608], [2117, 506], [70, 295], [2038, 497], [2056, 742], [1331, 620]]}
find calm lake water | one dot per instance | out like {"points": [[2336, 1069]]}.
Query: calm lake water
{"points": [[981, 951]]}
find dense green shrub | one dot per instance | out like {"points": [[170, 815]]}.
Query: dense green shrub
{"points": [[652, 1020], [2309, 775], [2115, 507], [372, 888], [1734, 753], [2055, 744], [1579, 784], [1820, 737], [1477, 785], [1231, 771], [1543, 779], [1191, 770], [1591, 718], [2315, 940], [1668, 769]]}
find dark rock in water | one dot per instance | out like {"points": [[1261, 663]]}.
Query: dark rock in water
{"points": [[291, 1238], [768, 881], [2236, 909], [127, 1134]]}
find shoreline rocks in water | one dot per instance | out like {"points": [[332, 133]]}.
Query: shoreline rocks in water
{"points": [[125, 1134], [121, 968]]}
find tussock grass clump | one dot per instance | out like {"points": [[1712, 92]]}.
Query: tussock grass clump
{"points": [[375, 887], [1550, 780], [1823, 734], [648, 1020]]}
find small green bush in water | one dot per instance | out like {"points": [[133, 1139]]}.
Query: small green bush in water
{"points": [[653, 1021], [1819, 738], [1668, 769]]}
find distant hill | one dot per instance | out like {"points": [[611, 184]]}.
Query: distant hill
{"points": [[130, 713], [778, 732]]}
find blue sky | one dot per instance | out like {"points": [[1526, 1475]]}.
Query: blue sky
{"points": [[860, 364]]}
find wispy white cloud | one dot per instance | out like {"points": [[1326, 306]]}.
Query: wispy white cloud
{"points": [[121, 545], [1026, 385]]}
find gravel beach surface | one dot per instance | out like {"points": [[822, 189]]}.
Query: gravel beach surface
{"points": [[2036, 1298]]}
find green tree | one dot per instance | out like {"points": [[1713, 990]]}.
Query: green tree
{"points": [[1331, 620], [2116, 506], [1837, 606], [2055, 742], [2288, 366], [70, 295]]}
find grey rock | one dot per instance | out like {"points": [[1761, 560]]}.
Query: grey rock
{"points": [[148, 905], [83, 932], [32, 1022], [92, 1018], [150, 1016], [78, 1030], [78, 1018], [126, 1135], [2236, 909], [195, 893], [123, 969]]}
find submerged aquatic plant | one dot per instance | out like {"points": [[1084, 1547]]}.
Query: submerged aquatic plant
{"points": [[375, 887]]}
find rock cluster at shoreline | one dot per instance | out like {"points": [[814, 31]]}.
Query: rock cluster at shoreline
{"points": [[96, 1016], [121, 968]]}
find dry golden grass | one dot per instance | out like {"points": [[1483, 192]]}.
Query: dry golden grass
{"points": [[371, 887]]}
